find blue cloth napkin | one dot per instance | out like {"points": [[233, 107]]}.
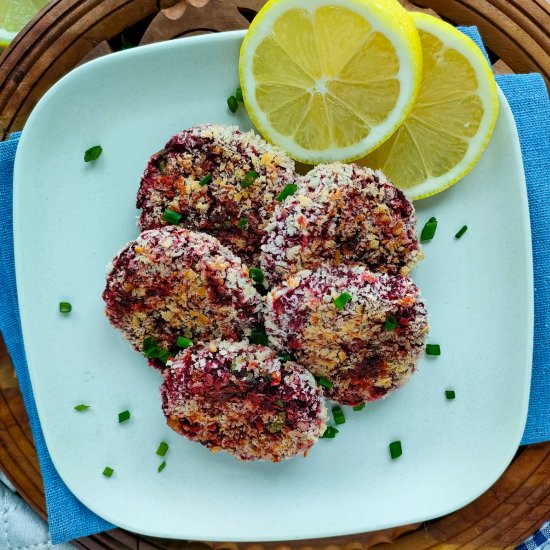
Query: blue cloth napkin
{"points": [[68, 518], [528, 98]]}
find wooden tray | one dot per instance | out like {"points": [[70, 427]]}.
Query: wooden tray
{"points": [[68, 32]]}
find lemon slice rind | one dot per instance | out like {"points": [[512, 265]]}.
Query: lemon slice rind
{"points": [[454, 39]]}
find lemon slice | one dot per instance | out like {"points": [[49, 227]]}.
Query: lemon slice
{"points": [[452, 120], [330, 80], [14, 15]]}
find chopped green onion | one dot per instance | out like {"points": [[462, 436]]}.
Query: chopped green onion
{"points": [[163, 448], [450, 394], [65, 307], [428, 231], [232, 103], [81, 408], [249, 179], [287, 191], [395, 449], [258, 337], [338, 415], [161, 466], [183, 342], [162, 166], [152, 350], [433, 349], [322, 381], [330, 433], [391, 323], [107, 471], [205, 180], [92, 153], [150, 347], [461, 231], [359, 407], [171, 217], [256, 274], [164, 355], [279, 403], [242, 223], [239, 95], [342, 300], [123, 416], [286, 356]]}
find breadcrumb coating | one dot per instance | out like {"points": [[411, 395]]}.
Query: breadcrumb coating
{"points": [[352, 346], [241, 398]]}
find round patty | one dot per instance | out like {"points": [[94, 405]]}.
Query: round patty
{"points": [[349, 339], [172, 282], [342, 213], [241, 398], [202, 175]]}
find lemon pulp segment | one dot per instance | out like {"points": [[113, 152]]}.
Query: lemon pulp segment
{"points": [[330, 81], [453, 117]]}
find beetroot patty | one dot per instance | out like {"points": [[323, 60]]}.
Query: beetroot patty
{"points": [[354, 346], [202, 175], [173, 282], [240, 398], [342, 213]]}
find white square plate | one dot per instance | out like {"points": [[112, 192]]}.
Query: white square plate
{"points": [[71, 218]]}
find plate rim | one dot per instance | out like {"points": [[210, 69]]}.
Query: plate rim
{"points": [[18, 222]]}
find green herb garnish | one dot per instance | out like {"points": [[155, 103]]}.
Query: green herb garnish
{"points": [[107, 471], [80, 408], [163, 448], [287, 191], [256, 274], [232, 103], [171, 217], [391, 323], [325, 382], [65, 307], [330, 433], [286, 356], [123, 416], [205, 180], [450, 394], [359, 407], [183, 342], [461, 231], [338, 415], [161, 467], [258, 337], [249, 179], [342, 300], [152, 350], [92, 153], [428, 231], [239, 95], [395, 449], [433, 349], [242, 223]]}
